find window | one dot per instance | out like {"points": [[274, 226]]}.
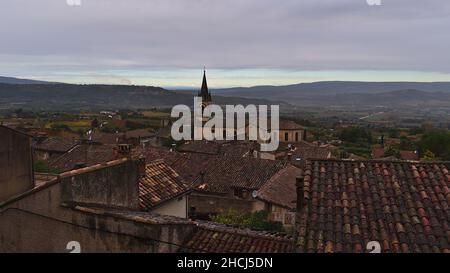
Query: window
{"points": [[286, 136], [296, 136]]}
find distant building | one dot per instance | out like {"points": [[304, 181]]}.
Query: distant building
{"points": [[86, 155], [289, 131], [206, 100], [52, 147], [204, 92], [138, 137], [409, 155], [297, 152], [378, 153]]}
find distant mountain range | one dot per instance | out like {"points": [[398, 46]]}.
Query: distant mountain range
{"points": [[99, 97], [11, 80], [349, 93], [22, 93], [337, 86]]}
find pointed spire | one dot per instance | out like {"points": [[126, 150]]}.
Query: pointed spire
{"points": [[204, 93]]}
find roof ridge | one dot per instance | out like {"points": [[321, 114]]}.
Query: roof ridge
{"points": [[379, 161], [94, 167], [213, 226]]}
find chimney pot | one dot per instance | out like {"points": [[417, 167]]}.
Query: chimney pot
{"points": [[124, 149]]}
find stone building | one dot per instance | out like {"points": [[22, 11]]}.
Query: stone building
{"points": [[52, 147], [280, 197], [111, 207], [289, 131], [297, 152], [16, 163]]}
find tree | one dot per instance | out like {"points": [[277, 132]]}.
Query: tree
{"points": [[437, 142]]}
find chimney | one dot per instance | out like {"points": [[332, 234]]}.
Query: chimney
{"points": [[141, 166], [300, 192], [124, 149]]}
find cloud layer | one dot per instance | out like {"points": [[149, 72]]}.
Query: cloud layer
{"points": [[48, 36]]}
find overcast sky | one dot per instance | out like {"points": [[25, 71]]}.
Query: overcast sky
{"points": [[241, 42]]}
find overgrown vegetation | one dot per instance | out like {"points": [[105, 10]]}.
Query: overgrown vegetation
{"points": [[41, 166], [435, 143], [255, 220]]}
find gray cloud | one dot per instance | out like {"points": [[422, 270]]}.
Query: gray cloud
{"points": [[48, 35]]}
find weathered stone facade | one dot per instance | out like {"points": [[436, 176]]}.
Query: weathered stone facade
{"points": [[16, 167], [46, 218]]}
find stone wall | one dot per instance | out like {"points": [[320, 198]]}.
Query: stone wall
{"points": [[16, 173], [113, 186], [38, 222], [211, 204], [175, 207]]}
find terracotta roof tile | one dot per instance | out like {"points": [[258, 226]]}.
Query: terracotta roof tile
{"points": [[409, 155], [216, 238], [281, 189], [87, 154], [394, 203], [161, 183]]}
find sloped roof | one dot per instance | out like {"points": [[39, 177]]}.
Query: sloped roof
{"points": [[161, 183], [409, 155], [215, 238], [138, 133], [222, 174], [281, 188], [15, 130], [55, 144], [225, 147], [377, 153], [200, 146], [217, 173], [290, 125], [106, 138], [87, 154], [403, 206]]}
